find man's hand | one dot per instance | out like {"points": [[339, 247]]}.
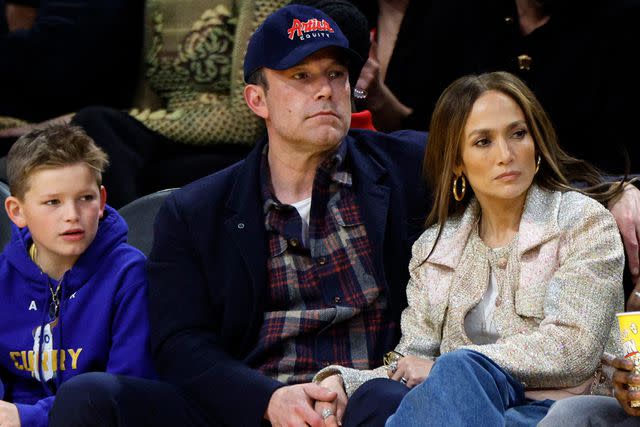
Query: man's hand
{"points": [[337, 407], [413, 369], [626, 211], [293, 405], [20, 17], [624, 376], [9, 416], [387, 110], [17, 132]]}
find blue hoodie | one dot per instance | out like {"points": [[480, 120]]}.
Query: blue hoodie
{"points": [[102, 323]]}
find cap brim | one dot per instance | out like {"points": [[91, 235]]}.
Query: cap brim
{"points": [[298, 55]]}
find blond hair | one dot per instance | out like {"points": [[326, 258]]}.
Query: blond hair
{"points": [[50, 147]]}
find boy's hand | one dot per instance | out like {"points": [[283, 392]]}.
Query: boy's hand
{"points": [[9, 415]]}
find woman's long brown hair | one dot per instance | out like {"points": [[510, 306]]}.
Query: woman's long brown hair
{"points": [[558, 170]]}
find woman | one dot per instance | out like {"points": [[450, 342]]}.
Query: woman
{"points": [[515, 283]]}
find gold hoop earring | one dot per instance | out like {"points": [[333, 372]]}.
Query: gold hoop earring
{"points": [[537, 165], [463, 188]]}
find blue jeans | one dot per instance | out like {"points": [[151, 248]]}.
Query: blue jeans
{"points": [[593, 411], [466, 388]]}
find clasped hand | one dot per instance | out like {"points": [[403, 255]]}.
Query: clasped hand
{"points": [[411, 370], [302, 404]]}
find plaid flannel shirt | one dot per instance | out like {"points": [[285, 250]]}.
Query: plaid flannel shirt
{"points": [[326, 302]]}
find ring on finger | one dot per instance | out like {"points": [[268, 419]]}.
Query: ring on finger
{"points": [[392, 356], [403, 380], [326, 413]]}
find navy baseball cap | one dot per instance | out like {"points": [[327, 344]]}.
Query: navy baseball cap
{"points": [[291, 34]]}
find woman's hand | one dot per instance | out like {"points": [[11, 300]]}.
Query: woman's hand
{"points": [[337, 407], [413, 370]]}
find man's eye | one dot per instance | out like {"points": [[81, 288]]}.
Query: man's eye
{"points": [[300, 76], [336, 74]]}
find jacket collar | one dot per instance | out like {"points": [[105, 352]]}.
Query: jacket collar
{"points": [[245, 216], [538, 225]]}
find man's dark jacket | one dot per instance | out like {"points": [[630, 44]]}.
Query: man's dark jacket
{"points": [[208, 268]]}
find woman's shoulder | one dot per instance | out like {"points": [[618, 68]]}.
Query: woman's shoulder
{"points": [[576, 208]]}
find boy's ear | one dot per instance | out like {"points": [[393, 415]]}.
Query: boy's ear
{"points": [[103, 200], [254, 95], [14, 210]]}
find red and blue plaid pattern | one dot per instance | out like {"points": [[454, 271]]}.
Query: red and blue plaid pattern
{"points": [[326, 303]]}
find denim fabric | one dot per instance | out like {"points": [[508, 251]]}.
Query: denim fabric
{"points": [[466, 388], [594, 411]]}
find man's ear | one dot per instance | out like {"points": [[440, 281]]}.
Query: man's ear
{"points": [[103, 199], [15, 212], [254, 95]]}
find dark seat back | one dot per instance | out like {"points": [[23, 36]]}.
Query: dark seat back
{"points": [[140, 216], [5, 222]]}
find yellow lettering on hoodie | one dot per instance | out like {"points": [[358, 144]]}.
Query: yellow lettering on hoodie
{"points": [[74, 357], [14, 355]]}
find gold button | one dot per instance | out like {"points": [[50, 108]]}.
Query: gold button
{"points": [[294, 242], [498, 302], [502, 262], [524, 62]]}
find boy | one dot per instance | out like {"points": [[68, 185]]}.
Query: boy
{"points": [[72, 292]]}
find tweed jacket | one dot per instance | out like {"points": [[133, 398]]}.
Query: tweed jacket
{"points": [[558, 290]]}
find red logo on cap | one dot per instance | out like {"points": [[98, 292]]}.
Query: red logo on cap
{"points": [[306, 27]]}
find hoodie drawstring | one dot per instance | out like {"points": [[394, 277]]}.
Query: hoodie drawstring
{"points": [[43, 324]]}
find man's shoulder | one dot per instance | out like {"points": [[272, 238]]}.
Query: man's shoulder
{"points": [[214, 186], [209, 195], [400, 153], [399, 143]]}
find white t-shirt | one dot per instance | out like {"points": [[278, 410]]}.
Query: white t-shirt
{"points": [[479, 321], [304, 210]]}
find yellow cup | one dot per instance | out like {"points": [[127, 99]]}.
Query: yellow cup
{"points": [[630, 334]]}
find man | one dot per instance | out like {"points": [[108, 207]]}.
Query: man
{"points": [[292, 260], [299, 255]]}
